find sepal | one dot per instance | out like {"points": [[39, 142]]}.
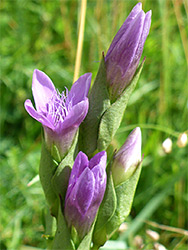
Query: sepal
{"points": [[124, 194], [47, 169], [123, 197], [112, 117], [106, 211], [62, 239], [61, 176], [98, 103]]}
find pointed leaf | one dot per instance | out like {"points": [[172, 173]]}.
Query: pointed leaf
{"points": [[106, 211], [111, 119], [62, 240], [98, 103], [46, 171], [124, 194], [61, 177]]}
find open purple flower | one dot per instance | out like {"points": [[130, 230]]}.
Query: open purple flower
{"points": [[59, 113], [85, 191], [124, 54], [127, 158]]}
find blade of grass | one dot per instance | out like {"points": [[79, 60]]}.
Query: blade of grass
{"points": [[177, 9], [80, 39]]}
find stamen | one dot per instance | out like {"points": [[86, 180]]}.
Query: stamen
{"points": [[58, 106]]}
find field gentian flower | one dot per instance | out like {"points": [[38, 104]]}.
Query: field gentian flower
{"points": [[59, 113], [127, 158], [85, 191], [124, 54]]}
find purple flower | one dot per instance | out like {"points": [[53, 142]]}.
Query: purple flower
{"points": [[127, 158], [124, 54], [85, 191], [59, 113]]}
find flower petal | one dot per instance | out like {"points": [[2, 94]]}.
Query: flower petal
{"points": [[80, 163], [42, 88], [99, 159], [36, 115], [135, 11], [76, 115], [85, 192], [100, 184], [129, 42], [80, 89], [139, 50], [80, 199]]}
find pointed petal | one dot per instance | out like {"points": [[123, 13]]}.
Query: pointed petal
{"points": [[129, 43], [80, 198], [80, 163], [138, 53], [36, 115], [85, 190], [42, 88], [100, 184], [80, 89], [76, 114], [135, 11], [99, 159]]}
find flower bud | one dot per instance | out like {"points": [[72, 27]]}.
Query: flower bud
{"points": [[167, 145], [158, 246], [153, 235], [124, 54], [85, 191], [127, 158], [182, 140], [59, 113]]}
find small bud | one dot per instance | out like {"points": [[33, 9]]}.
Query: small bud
{"points": [[158, 246], [138, 241], [153, 235], [182, 140], [127, 158], [85, 191], [123, 227], [167, 145]]}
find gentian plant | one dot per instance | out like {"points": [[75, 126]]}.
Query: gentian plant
{"points": [[89, 196]]}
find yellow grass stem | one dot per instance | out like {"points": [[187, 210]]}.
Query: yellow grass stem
{"points": [[80, 39]]}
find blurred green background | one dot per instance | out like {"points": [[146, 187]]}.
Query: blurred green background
{"points": [[43, 34]]}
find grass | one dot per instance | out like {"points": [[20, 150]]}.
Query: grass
{"points": [[44, 35]]}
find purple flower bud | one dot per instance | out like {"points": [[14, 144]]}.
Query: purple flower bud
{"points": [[124, 54], [127, 158], [59, 113], [85, 191]]}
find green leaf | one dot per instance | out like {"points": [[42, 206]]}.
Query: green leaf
{"points": [[47, 169], [98, 102], [106, 211], [112, 117], [124, 194], [62, 239], [61, 177]]}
